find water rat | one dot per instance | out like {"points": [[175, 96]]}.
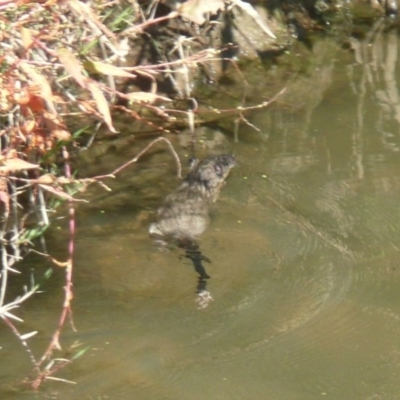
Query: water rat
{"points": [[184, 216]]}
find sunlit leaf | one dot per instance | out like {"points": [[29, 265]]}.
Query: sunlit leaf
{"points": [[60, 193], [26, 37], [53, 378], [46, 179], [102, 105], [145, 97], [11, 316], [16, 164], [5, 103], [13, 270], [28, 126], [55, 126], [41, 82], [80, 353], [107, 69], [28, 335], [61, 134], [197, 10], [72, 65]]}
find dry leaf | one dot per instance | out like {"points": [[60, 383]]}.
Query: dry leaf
{"points": [[61, 134], [5, 103], [28, 126], [12, 153], [145, 97], [22, 96], [46, 179], [102, 105], [72, 65], [16, 164], [84, 11], [42, 84], [36, 103], [26, 37], [11, 316], [62, 180], [26, 336], [55, 126], [60, 193], [107, 69], [197, 10]]}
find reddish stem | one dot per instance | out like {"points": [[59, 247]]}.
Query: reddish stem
{"points": [[66, 310]]}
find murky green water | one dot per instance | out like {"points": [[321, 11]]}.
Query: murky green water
{"points": [[304, 244]]}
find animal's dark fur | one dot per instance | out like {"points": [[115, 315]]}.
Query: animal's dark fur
{"points": [[185, 214]]}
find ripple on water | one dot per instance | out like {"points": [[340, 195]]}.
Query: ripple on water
{"points": [[286, 318], [279, 281]]}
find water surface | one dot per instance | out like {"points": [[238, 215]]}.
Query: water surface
{"points": [[304, 244]]}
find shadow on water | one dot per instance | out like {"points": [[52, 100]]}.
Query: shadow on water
{"points": [[304, 259]]}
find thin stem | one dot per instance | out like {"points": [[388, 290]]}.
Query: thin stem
{"points": [[66, 310], [4, 273], [135, 159], [19, 336]]}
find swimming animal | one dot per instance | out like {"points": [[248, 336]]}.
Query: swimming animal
{"points": [[185, 214]]}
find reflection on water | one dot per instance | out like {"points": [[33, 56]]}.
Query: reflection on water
{"points": [[304, 245]]}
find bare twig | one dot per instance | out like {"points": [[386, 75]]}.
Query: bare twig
{"points": [[135, 159], [141, 27], [22, 338]]}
